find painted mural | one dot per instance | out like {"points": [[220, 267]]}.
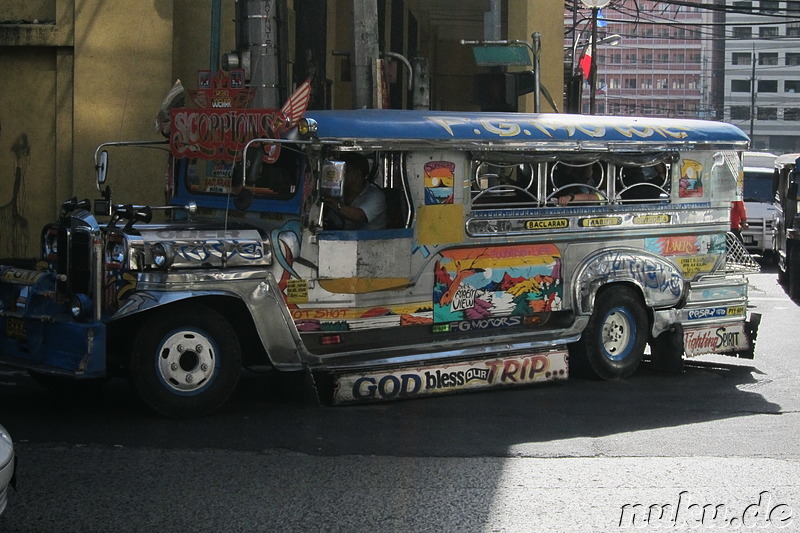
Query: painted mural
{"points": [[495, 282], [13, 225], [690, 184], [439, 178], [695, 254]]}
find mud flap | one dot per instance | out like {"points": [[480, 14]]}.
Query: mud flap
{"points": [[666, 350], [751, 329]]}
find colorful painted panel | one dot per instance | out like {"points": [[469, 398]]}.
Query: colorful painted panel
{"points": [[503, 281], [439, 178], [690, 184], [359, 318], [693, 253]]}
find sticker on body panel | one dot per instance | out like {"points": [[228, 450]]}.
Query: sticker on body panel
{"points": [[715, 339], [440, 379]]}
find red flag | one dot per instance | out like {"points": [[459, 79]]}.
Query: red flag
{"points": [[295, 106], [586, 62]]}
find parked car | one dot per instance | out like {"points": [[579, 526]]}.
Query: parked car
{"points": [[7, 461]]}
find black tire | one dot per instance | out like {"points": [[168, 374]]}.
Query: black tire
{"points": [[186, 381], [666, 351], [783, 274], [793, 268], [615, 337]]}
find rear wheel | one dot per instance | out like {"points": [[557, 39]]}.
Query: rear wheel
{"points": [[615, 337], [186, 361]]}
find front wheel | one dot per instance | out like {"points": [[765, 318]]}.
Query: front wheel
{"points": [[186, 361], [615, 337]]}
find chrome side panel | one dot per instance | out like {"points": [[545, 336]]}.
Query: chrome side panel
{"points": [[660, 281], [256, 289]]}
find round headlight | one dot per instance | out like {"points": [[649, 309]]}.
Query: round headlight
{"points": [[162, 256], [307, 127], [115, 253], [51, 243], [80, 305]]}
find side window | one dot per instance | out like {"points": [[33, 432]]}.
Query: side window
{"points": [[642, 184], [391, 178], [502, 183], [576, 183], [365, 191]]}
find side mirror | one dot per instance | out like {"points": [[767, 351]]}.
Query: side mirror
{"points": [[243, 200], [101, 167], [332, 182]]}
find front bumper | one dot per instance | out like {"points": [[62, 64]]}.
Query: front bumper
{"points": [[38, 332]]}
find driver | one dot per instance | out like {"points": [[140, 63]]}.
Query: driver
{"points": [[363, 205]]}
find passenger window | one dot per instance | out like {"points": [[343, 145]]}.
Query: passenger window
{"points": [[503, 183], [572, 183], [640, 184]]}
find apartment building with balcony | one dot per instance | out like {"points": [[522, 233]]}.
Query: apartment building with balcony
{"points": [[762, 72]]}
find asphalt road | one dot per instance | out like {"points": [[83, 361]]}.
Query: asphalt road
{"points": [[573, 456]]}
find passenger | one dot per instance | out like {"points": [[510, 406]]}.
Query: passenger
{"points": [[738, 218], [645, 183], [363, 205], [582, 193]]}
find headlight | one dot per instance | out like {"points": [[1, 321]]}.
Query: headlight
{"points": [[50, 243], [115, 252], [307, 127], [162, 256], [80, 305]]}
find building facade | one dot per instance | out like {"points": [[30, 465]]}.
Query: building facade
{"points": [[660, 67], [84, 72], [762, 72]]}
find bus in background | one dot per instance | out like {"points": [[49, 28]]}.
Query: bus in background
{"points": [[787, 223], [758, 200]]}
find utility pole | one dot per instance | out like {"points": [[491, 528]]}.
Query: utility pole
{"points": [[753, 93], [257, 38], [365, 51]]}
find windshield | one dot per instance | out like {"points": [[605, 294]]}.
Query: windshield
{"points": [[757, 186], [276, 180]]}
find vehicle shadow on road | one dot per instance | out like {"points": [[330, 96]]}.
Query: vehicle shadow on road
{"points": [[282, 411]]}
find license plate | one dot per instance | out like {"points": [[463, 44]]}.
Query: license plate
{"points": [[15, 328], [748, 239]]}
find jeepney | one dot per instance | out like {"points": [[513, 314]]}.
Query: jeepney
{"points": [[483, 277]]}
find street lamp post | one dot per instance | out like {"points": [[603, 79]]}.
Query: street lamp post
{"points": [[595, 5]]}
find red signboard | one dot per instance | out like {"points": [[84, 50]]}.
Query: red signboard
{"points": [[219, 133]]}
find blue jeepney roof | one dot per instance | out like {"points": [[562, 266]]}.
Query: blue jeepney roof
{"points": [[499, 130]]}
